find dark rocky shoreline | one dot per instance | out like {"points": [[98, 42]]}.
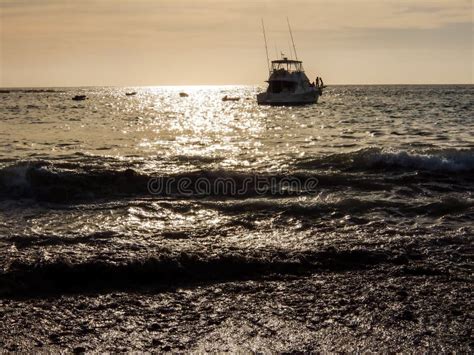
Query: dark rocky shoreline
{"points": [[380, 309]]}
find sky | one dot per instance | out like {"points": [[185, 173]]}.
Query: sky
{"points": [[213, 42]]}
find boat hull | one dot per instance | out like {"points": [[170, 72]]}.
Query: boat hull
{"points": [[307, 98]]}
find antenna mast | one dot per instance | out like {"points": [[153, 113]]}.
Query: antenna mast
{"points": [[266, 47], [292, 41]]}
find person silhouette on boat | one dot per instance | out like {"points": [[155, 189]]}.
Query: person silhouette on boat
{"points": [[319, 85], [319, 82]]}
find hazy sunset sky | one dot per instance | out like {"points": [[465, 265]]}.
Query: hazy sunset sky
{"points": [[190, 42]]}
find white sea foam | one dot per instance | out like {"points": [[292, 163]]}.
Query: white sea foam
{"points": [[442, 161]]}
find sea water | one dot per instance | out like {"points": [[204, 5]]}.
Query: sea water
{"points": [[156, 221]]}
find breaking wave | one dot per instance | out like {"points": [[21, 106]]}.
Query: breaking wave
{"points": [[170, 269], [49, 182], [70, 181], [442, 161], [44, 181]]}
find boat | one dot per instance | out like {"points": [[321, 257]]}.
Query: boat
{"points": [[288, 84], [79, 97], [183, 94], [230, 98], [131, 93]]}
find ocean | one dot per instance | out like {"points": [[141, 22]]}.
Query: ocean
{"points": [[155, 222]]}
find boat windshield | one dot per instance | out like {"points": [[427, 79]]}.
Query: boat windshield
{"points": [[288, 65], [278, 86]]}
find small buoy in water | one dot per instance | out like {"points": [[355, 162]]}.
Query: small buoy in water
{"points": [[229, 98], [79, 97], [183, 94]]}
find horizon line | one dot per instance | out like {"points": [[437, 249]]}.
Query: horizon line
{"points": [[221, 85]]}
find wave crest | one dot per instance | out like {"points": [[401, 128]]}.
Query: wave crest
{"points": [[167, 269], [443, 161]]}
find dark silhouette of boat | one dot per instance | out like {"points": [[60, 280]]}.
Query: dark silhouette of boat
{"points": [[131, 93], [79, 97], [183, 94], [288, 84]]}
